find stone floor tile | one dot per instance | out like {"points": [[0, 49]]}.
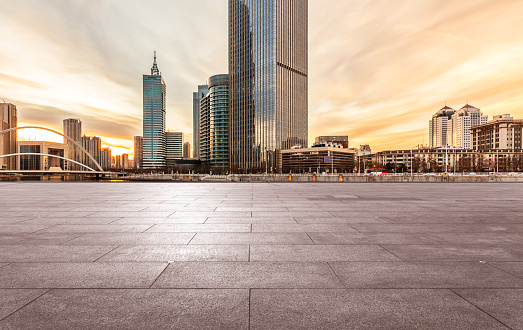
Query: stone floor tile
{"points": [[365, 309], [51, 253], [346, 220], [80, 275], [21, 228], [281, 220], [134, 309], [309, 253], [248, 275], [251, 238], [436, 228], [200, 228], [515, 268], [123, 214], [12, 300], [478, 238], [167, 253], [97, 228], [132, 239], [370, 238], [301, 228], [505, 305], [457, 252], [387, 275], [154, 221]]}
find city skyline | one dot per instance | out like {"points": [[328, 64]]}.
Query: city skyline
{"points": [[377, 70]]}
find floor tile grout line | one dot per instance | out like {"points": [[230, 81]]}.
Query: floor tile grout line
{"points": [[191, 239], [249, 319], [46, 291], [166, 266], [70, 240], [503, 270], [106, 253], [339, 279], [143, 232], [310, 238], [384, 248], [479, 308]]}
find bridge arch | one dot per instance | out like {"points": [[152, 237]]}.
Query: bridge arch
{"points": [[61, 134], [40, 154]]}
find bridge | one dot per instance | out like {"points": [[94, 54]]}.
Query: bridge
{"points": [[89, 170]]}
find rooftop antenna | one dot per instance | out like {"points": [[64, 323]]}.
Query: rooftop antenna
{"points": [[154, 69]]}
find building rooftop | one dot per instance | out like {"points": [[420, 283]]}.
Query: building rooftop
{"points": [[261, 256]]}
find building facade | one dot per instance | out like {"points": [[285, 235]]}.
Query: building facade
{"points": [[268, 80], [186, 150], [439, 127], [342, 140], [93, 145], [73, 129], [8, 120], [174, 147], [319, 160], [106, 159], [154, 104], [458, 134], [196, 100], [214, 123], [43, 162], [138, 152], [503, 132]]}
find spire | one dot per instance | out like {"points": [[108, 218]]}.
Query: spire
{"points": [[154, 69]]}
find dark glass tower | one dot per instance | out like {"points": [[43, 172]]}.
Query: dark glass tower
{"points": [[153, 119], [214, 123], [267, 80]]}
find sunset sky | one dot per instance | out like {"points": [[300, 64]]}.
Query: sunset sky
{"points": [[377, 69]]}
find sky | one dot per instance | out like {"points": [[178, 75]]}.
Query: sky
{"points": [[378, 69]]}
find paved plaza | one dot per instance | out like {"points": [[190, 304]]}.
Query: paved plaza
{"points": [[261, 256]]}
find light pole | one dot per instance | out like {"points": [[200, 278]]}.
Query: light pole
{"points": [[497, 161]]}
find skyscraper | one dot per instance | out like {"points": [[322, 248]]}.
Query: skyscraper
{"points": [[73, 130], [267, 80], [196, 99], [154, 91], [461, 122], [214, 123], [186, 150], [106, 159], [93, 145], [138, 152], [439, 127], [8, 119]]}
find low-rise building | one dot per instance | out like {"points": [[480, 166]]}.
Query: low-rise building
{"points": [[318, 159], [44, 162]]}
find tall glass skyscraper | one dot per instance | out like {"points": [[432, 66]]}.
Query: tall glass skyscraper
{"points": [[214, 123], [268, 82], [154, 90], [196, 99]]}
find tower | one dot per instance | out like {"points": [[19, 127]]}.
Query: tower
{"points": [[154, 90], [268, 80]]}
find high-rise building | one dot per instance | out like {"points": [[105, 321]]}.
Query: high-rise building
{"points": [[154, 91], [93, 145], [73, 130], [268, 82], [196, 100], [214, 123], [125, 161], [439, 127], [186, 150], [503, 132], [118, 162], [458, 134], [174, 147], [8, 119], [138, 152], [106, 159]]}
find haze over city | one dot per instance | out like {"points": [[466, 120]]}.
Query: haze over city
{"points": [[377, 69]]}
